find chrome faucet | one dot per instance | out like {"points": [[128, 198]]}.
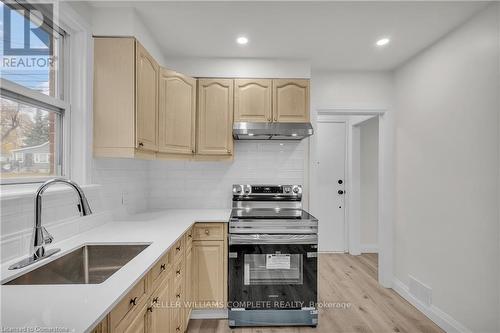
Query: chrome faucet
{"points": [[40, 235]]}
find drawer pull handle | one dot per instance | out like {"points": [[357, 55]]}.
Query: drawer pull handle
{"points": [[178, 272], [207, 232], [155, 300], [162, 267], [133, 301]]}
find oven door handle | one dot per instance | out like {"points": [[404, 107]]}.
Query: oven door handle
{"points": [[272, 239]]}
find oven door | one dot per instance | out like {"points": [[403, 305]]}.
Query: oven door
{"points": [[272, 271]]}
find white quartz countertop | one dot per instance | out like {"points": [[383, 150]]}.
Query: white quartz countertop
{"points": [[78, 308]]}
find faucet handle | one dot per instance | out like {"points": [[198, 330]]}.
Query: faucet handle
{"points": [[47, 237]]}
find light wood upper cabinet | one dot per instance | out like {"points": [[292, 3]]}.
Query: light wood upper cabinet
{"points": [[291, 100], [177, 113], [147, 71], [215, 117], [252, 100], [125, 99]]}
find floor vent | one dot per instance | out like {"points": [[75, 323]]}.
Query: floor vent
{"points": [[420, 291]]}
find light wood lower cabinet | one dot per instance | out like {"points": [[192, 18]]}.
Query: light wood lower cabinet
{"points": [[210, 265], [193, 270]]}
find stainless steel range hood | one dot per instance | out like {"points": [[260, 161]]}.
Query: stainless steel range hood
{"points": [[271, 131]]}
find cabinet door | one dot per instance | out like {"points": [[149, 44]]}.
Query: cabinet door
{"points": [[160, 315], [252, 100], [215, 117], [177, 112], [291, 101], [208, 271], [138, 324], [146, 100]]}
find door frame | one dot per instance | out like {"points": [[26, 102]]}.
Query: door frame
{"points": [[385, 190]]}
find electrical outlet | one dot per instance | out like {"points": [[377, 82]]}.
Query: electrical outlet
{"points": [[125, 198]]}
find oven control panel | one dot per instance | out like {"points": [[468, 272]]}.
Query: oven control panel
{"points": [[267, 190]]}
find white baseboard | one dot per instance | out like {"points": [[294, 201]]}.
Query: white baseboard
{"points": [[209, 314], [442, 319], [369, 248]]}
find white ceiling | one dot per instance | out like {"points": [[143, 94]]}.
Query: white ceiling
{"points": [[331, 35]]}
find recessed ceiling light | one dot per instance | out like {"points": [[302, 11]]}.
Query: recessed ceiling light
{"points": [[383, 41], [242, 40]]}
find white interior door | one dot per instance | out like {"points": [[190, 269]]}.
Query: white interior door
{"points": [[328, 204]]}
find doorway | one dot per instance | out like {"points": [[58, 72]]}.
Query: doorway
{"points": [[340, 229]]}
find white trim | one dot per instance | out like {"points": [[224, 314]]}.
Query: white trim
{"points": [[386, 181], [79, 75], [441, 318], [350, 111], [32, 94], [369, 248], [209, 314]]}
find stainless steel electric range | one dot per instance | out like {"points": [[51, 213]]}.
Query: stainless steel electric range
{"points": [[272, 265]]}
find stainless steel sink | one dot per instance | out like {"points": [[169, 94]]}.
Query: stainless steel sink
{"points": [[89, 264]]}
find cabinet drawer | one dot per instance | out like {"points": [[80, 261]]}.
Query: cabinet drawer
{"points": [[159, 270], [208, 231], [178, 250], [131, 301]]}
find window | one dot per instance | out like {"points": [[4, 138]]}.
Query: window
{"points": [[41, 157], [33, 109]]}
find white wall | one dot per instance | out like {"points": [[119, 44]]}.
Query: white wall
{"points": [[118, 21], [447, 138], [240, 67], [369, 185]]}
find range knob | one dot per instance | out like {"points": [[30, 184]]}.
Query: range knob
{"points": [[295, 190], [237, 189], [287, 190], [247, 189]]}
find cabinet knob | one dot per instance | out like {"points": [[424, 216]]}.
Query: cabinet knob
{"points": [[178, 296], [189, 236], [275, 119], [141, 144], [178, 248], [207, 232], [229, 151], [192, 151], [150, 309], [178, 272], [133, 301], [162, 267], [155, 300], [178, 329]]}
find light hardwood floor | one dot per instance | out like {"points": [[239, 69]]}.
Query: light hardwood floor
{"points": [[353, 280]]}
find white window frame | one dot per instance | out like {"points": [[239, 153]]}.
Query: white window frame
{"points": [[76, 104], [37, 157]]}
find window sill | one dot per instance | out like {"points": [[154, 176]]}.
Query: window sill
{"points": [[12, 192]]}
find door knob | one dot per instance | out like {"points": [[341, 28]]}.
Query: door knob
{"points": [[340, 192]]}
